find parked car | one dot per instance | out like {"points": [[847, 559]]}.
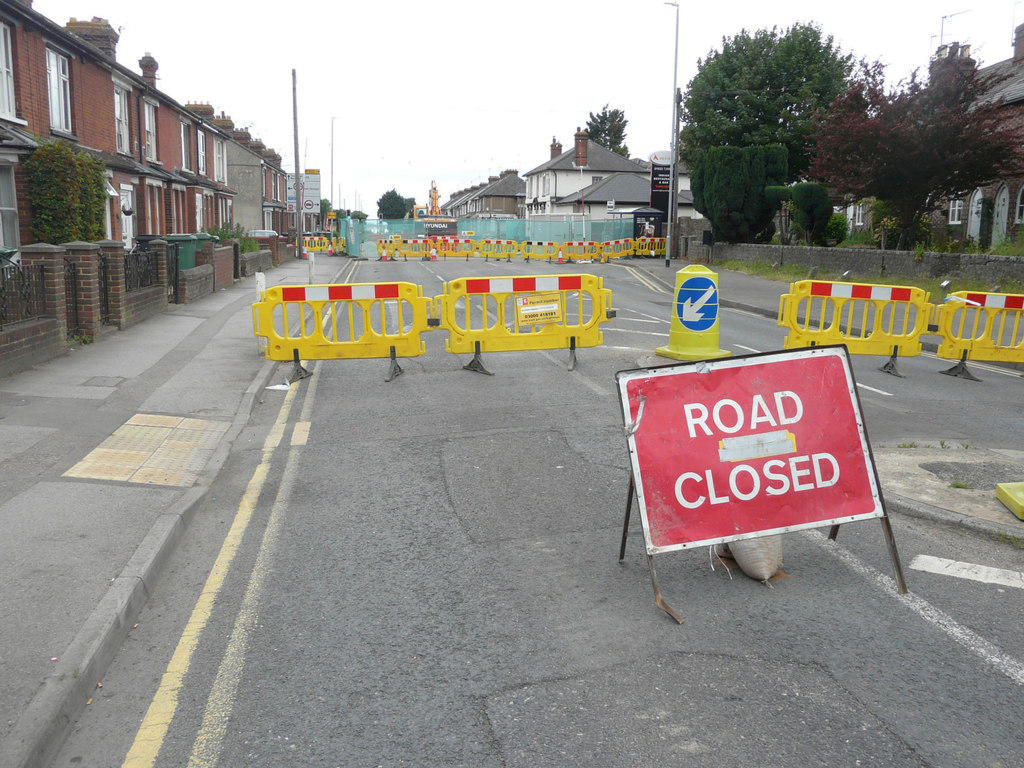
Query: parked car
{"points": [[261, 233]]}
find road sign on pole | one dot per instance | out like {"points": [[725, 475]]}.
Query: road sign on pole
{"points": [[737, 448]]}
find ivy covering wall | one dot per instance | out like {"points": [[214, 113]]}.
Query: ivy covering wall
{"points": [[67, 193]]}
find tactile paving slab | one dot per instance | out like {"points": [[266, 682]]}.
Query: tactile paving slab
{"points": [[153, 449]]}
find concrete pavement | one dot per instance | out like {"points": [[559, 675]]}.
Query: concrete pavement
{"points": [[106, 451]]}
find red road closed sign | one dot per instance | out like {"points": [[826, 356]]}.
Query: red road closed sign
{"points": [[733, 448]]}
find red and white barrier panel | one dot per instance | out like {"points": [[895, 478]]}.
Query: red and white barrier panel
{"points": [[517, 284], [339, 292]]}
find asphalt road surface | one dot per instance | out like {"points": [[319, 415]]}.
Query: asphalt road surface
{"points": [[425, 573]]}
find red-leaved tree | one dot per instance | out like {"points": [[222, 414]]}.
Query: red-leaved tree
{"points": [[917, 147]]}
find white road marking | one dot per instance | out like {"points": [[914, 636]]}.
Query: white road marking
{"points": [[981, 573], [641, 333], [748, 349], [987, 651], [876, 391]]}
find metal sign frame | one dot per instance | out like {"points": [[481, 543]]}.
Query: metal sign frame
{"points": [[742, 447]]}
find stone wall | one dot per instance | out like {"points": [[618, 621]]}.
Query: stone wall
{"points": [[869, 263]]}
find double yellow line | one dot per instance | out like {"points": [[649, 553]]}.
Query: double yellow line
{"points": [[151, 734], [646, 280]]}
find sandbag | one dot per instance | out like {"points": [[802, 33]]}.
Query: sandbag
{"points": [[759, 558]]}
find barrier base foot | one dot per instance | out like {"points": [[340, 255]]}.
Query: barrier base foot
{"points": [[477, 364], [890, 367], [298, 372], [572, 354], [960, 370], [395, 369]]}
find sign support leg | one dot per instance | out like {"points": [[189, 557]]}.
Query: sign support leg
{"points": [[625, 522], [658, 599], [897, 568], [572, 353]]}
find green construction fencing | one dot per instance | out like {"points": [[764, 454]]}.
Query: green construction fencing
{"points": [[599, 230]]}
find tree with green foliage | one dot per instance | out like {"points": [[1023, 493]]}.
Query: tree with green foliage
{"points": [[608, 128], [917, 146], [764, 89], [812, 209], [392, 205], [729, 188], [67, 193]]}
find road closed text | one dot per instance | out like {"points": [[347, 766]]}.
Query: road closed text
{"points": [[745, 482], [747, 479]]}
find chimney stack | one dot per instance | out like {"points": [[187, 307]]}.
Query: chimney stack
{"points": [[581, 148], [1018, 43], [149, 67], [97, 32], [201, 108], [556, 148]]}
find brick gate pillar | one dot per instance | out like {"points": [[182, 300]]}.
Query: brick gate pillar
{"points": [[52, 259], [86, 257]]}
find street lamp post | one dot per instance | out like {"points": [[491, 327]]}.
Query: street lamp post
{"points": [[672, 205], [331, 193]]}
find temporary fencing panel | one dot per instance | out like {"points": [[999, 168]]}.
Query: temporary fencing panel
{"points": [[581, 249], [481, 314], [540, 249], [616, 249], [415, 249], [498, 249], [646, 246], [869, 319], [987, 326], [352, 320]]}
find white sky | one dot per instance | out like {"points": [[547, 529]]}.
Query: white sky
{"points": [[457, 90]]}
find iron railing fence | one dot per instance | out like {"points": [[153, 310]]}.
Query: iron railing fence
{"points": [[22, 293]]}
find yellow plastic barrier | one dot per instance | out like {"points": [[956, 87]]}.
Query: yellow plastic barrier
{"points": [[498, 249], [415, 248], [581, 249], [869, 319], [539, 249], [315, 244], [987, 326], [616, 249], [646, 246], [448, 246], [341, 321], [502, 314]]}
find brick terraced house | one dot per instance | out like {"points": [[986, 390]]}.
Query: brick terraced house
{"points": [[166, 163]]}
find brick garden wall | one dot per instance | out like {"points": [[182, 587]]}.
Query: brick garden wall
{"points": [[195, 283], [29, 343], [256, 261], [144, 304]]}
